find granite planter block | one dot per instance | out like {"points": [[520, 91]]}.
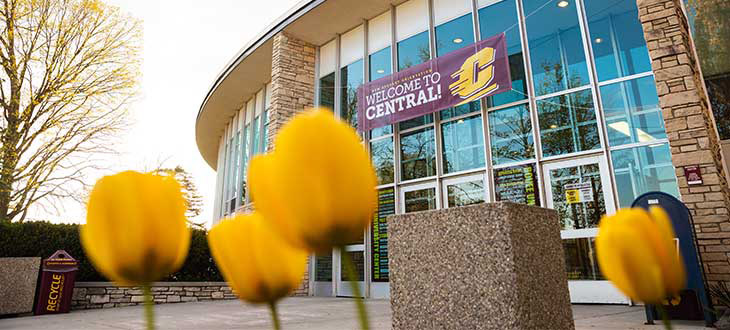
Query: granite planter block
{"points": [[487, 266], [18, 279]]}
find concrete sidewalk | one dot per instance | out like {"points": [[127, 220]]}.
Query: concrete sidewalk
{"points": [[296, 313]]}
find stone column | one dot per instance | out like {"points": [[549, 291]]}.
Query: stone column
{"points": [[690, 128], [292, 91], [292, 80]]}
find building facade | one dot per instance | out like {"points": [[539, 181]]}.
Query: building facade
{"points": [[607, 96]]}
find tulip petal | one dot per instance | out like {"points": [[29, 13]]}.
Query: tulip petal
{"points": [[675, 276]]}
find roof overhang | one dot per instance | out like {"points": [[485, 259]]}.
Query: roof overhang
{"points": [[313, 21]]}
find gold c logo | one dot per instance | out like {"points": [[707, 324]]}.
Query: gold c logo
{"points": [[474, 76]]}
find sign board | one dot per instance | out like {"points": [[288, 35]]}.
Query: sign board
{"points": [[516, 184], [459, 77], [578, 192], [693, 175], [379, 233]]}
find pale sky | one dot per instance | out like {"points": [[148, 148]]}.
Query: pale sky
{"points": [[187, 43]]}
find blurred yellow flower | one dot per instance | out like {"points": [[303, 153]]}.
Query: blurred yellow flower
{"points": [[136, 231], [254, 259], [637, 252], [318, 185]]}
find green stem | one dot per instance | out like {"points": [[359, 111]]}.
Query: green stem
{"points": [[149, 307], [274, 316], [352, 278], [665, 316]]}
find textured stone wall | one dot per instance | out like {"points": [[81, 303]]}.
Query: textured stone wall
{"points": [[18, 278], [88, 295], [292, 80], [690, 129]]}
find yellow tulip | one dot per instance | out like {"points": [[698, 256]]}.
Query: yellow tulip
{"points": [[258, 264], [318, 185], [136, 232], [637, 252]]}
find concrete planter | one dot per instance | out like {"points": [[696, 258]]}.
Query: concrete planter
{"points": [[18, 279]]}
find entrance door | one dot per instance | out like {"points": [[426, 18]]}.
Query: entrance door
{"points": [[356, 252], [579, 189]]}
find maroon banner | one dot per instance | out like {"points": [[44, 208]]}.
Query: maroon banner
{"points": [[459, 77]]}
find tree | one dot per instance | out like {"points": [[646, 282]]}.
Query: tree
{"points": [[190, 192], [68, 68]]}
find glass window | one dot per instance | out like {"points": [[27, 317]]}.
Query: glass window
{"points": [[413, 51], [556, 49], [265, 132], [718, 88], [460, 110], [420, 200], [358, 260], [643, 169], [327, 91], [418, 156], [517, 184], [632, 112], [323, 267], [495, 19], [415, 122], [454, 34], [381, 153], [463, 142], [244, 162], [618, 42], [465, 193], [352, 78], [580, 259], [380, 64], [568, 123], [255, 136], [578, 215], [510, 132]]}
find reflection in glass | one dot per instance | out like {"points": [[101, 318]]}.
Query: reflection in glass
{"points": [[380, 64], [463, 142], [244, 163], [415, 122], [459, 110], [420, 200], [556, 49], [465, 193], [323, 267], [413, 51], [454, 34], [580, 259], [495, 19], [568, 123], [577, 215], [718, 88], [643, 169], [327, 91], [632, 112], [618, 42], [510, 132], [265, 132], [358, 259], [352, 78], [255, 136], [418, 156], [381, 152]]}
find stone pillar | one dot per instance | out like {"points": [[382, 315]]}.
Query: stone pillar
{"points": [[486, 266], [690, 128], [292, 80], [292, 91]]}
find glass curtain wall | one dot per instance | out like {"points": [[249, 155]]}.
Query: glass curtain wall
{"points": [[582, 86]]}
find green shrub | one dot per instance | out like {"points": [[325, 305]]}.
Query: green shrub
{"points": [[41, 239]]}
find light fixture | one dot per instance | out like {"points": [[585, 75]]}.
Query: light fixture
{"points": [[599, 40], [563, 4], [461, 121], [380, 71], [458, 40], [553, 126]]}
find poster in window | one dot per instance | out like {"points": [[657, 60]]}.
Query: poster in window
{"points": [[379, 232], [517, 184]]}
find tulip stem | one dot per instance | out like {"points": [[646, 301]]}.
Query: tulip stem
{"points": [[274, 316], [665, 316], [353, 279], [149, 307]]}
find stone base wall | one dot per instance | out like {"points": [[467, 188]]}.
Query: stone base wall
{"points": [[88, 295]]}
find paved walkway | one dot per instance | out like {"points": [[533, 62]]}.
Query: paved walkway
{"points": [[296, 314]]}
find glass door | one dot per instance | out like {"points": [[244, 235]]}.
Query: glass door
{"points": [[579, 189], [464, 190], [356, 251]]}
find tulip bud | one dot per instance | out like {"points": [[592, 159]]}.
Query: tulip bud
{"points": [[637, 252], [258, 264], [136, 231], [318, 186]]}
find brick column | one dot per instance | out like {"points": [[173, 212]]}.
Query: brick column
{"points": [[292, 91], [690, 129], [292, 80]]}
